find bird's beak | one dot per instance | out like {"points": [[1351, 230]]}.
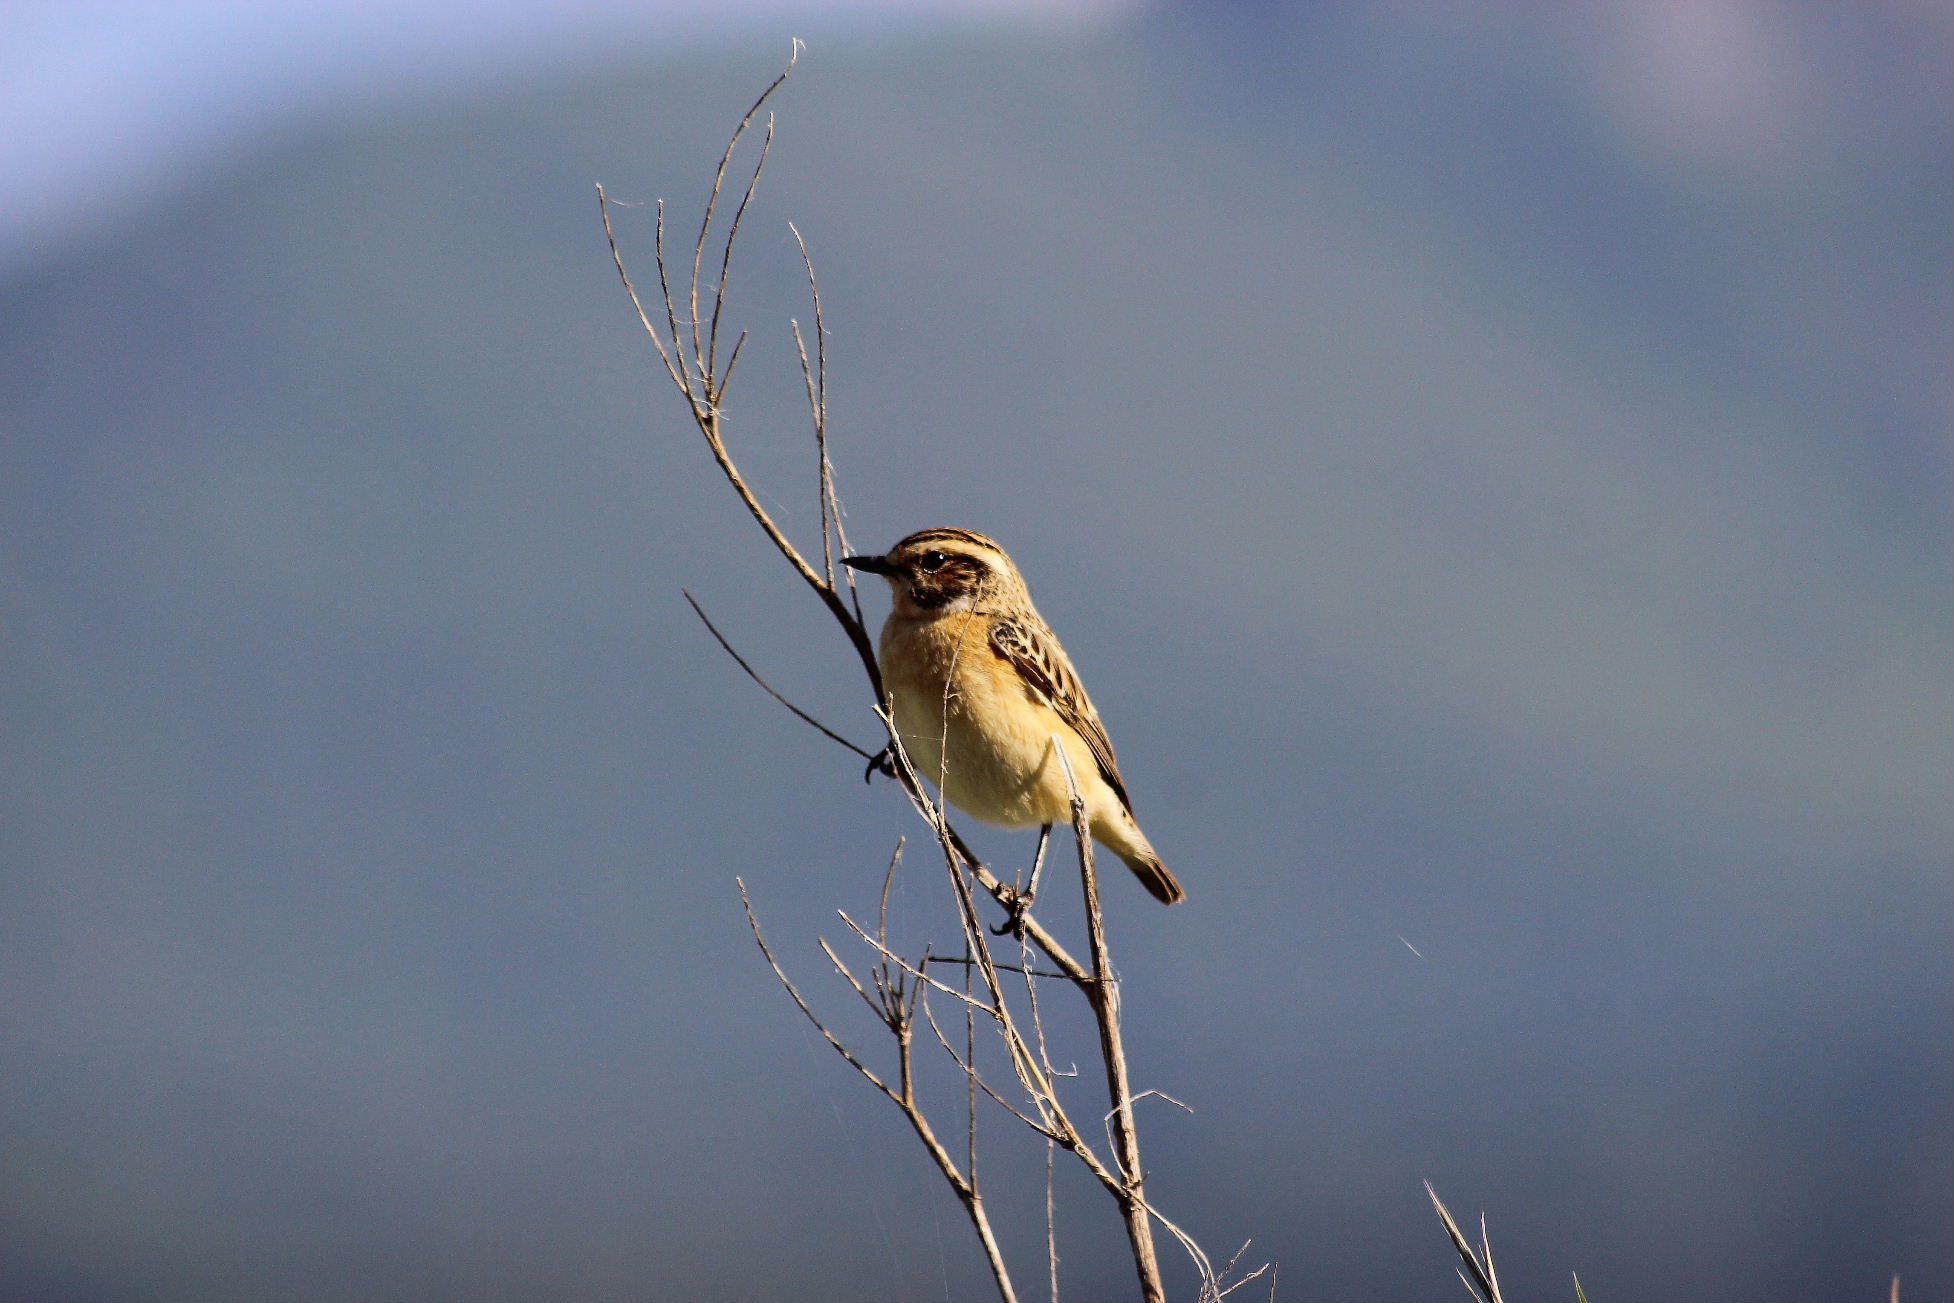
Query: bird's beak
{"points": [[875, 565]]}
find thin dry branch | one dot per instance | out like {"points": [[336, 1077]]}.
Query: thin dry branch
{"points": [[671, 309], [726, 255], [904, 1099], [1105, 1002], [815, 379], [1037, 1085], [1051, 1219], [1212, 1289], [707, 358], [754, 674], [879, 1003], [800, 1003], [968, 1068], [681, 379], [1002, 968], [912, 970], [704, 386]]}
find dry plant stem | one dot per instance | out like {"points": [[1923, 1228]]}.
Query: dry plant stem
{"points": [[1104, 995], [1025, 1059], [970, 1078], [1126, 1186], [701, 382], [1054, 1122], [897, 1011], [1003, 968], [815, 378], [1051, 1221], [754, 674]]}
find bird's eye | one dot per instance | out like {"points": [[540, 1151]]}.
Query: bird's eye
{"points": [[931, 561]]}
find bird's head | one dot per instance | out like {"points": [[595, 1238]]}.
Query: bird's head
{"points": [[944, 571]]}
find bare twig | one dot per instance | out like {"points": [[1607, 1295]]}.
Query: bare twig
{"points": [[679, 378], [888, 880], [1104, 997], [904, 1099], [795, 995], [671, 309], [970, 1075], [1024, 1060], [1051, 1219], [917, 971], [1002, 968], [815, 378], [732, 237], [704, 386], [707, 358], [1213, 1291], [754, 674], [976, 1079], [879, 1004]]}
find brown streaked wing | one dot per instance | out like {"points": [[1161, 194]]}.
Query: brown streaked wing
{"points": [[1035, 654]]}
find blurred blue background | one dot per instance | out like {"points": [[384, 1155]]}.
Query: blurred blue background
{"points": [[1490, 464]]}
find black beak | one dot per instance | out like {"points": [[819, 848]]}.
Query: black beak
{"points": [[875, 565]]}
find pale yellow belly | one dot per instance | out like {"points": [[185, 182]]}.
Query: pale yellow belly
{"points": [[971, 728], [991, 759]]}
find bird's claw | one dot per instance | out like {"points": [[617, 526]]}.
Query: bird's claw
{"points": [[1018, 906], [882, 762]]}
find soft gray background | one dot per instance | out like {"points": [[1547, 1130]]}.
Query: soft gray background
{"points": [[1490, 466]]}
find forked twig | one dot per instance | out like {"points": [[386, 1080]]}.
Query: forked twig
{"points": [[800, 1003], [710, 357], [904, 1099], [976, 1079], [697, 376]]}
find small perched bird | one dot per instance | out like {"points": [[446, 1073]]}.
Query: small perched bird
{"points": [[980, 688]]}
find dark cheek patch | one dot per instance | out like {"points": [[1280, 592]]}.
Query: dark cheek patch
{"points": [[956, 578]]}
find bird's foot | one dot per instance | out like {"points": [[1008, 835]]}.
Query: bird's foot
{"points": [[883, 763], [1017, 905]]}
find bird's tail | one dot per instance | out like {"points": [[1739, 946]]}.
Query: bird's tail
{"points": [[1153, 875], [1123, 837]]}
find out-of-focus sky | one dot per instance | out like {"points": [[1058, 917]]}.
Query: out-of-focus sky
{"points": [[111, 103], [1490, 464]]}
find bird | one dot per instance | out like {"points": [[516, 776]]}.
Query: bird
{"points": [[980, 689]]}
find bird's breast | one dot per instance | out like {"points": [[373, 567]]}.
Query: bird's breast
{"points": [[968, 722]]}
